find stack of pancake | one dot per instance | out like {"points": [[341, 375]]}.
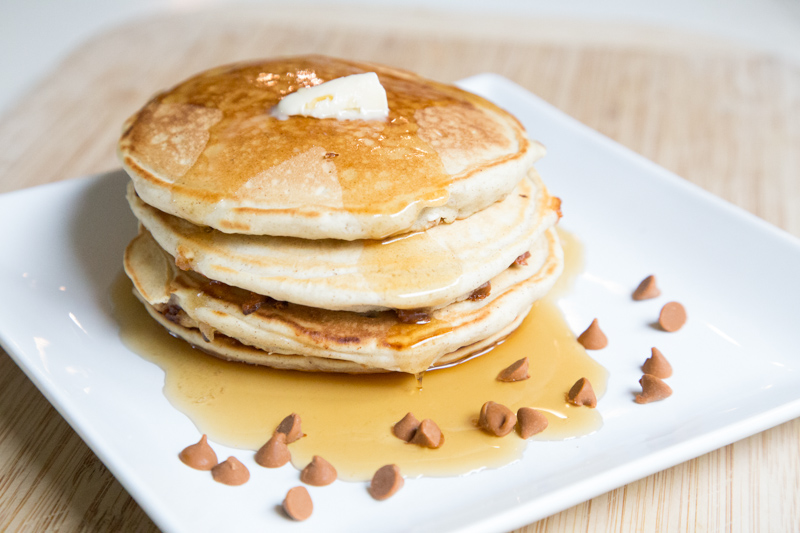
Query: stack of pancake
{"points": [[335, 245]]}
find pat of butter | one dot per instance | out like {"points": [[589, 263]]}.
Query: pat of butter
{"points": [[356, 97]]}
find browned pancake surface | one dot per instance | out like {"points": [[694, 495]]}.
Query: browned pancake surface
{"points": [[211, 144]]}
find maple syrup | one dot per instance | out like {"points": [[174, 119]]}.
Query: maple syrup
{"points": [[348, 418]]}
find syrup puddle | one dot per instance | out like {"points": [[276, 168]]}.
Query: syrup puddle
{"points": [[348, 419]]}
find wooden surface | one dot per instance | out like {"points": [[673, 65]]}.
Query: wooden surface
{"points": [[725, 119]]}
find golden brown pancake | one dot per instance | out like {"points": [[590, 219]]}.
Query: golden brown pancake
{"points": [[427, 269], [209, 151], [230, 349], [335, 245], [369, 342]]}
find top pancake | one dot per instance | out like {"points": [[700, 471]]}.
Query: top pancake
{"points": [[210, 152]]}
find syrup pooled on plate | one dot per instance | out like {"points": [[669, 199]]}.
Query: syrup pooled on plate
{"points": [[348, 419]]}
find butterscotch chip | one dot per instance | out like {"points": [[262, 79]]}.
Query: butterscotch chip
{"points": [[517, 371], [497, 419], [253, 303], [582, 393], [231, 472], [405, 429], [318, 472], [481, 292], [174, 313], [530, 422], [278, 304], [199, 456], [653, 390], [523, 259], [297, 504], [672, 317], [428, 435], [412, 316], [657, 365], [386, 481], [274, 453], [593, 338], [290, 426], [647, 289]]}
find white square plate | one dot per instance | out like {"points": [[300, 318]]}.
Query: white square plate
{"points": [[736, 361]]}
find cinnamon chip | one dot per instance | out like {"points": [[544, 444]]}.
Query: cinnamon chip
{"points": [[530, 422], [647, 289], [523, 259], [657, 365], [331, 155], [274, 453], [297, 504], [290, 426], [386, 481], [405, 429], [412, 316], [497, 419], [582, 393], [231, 472], [428, 435], [653, 390], [672, 317], [481, 292], [517, 371], [199, 456], [318, 472], [593, 338]]}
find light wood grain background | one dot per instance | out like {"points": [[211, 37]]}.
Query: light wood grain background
{"points": [[724, 118]]}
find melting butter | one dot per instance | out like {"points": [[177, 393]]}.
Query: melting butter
{"points": [[348, 419], [358, 96]]}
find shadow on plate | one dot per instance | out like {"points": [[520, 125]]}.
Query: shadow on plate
{"points": [[99, 231]]}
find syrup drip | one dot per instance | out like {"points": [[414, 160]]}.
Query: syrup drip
{"points": [[348, 419]]}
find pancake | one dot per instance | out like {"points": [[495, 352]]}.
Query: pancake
{"points": [[210, 152], [230, 349], [427, 269], [190, 302], [335, 245]]}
